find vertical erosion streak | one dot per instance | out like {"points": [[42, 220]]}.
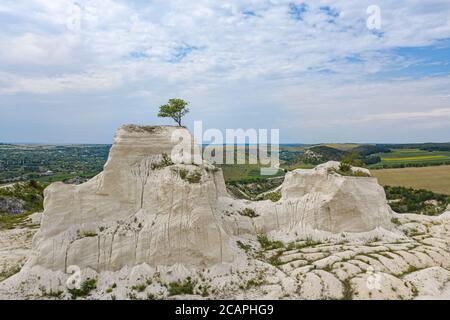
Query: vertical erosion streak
{"points": [[216, 222], [142, 173], [98, 253], [170, 216], [112, 244], [184, 209], [276, 215], [136, 236], [65, 258]]}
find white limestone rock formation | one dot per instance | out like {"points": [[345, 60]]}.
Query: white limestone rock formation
{"points": [[151, 218], [142, 208], [315, 199]]}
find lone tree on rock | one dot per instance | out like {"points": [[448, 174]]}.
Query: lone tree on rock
{"points": [[175, 109]]}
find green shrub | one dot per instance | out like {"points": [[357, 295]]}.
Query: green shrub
{"points": [[348, 291], [139, 287], [84, 290], [9, 272], [347, 171], [345, 167], [194, 177], [31, 192], [267, 244], [247, 212], [181, 288], [408, 200], [272, 196], [55, 295], [275, 259], [88, 235], [245, 247], [165, 162]]}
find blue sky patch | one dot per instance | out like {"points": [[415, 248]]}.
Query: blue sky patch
{"points": [[297, 11], [181, 52]]}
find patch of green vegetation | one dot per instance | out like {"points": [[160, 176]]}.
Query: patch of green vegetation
{"points": [[193, 177], [252, 283], [267, 244], [248, 212], [204, 290], [246, 247], [181, 288], [410, 269], [9, 221], [85, 289], [88, 235], [140, 287], [328, 268], [275, 259], [245, 173], [272, 196], [30, 192], [54, 295], [408, 200], [183, 173], [255, 188], [165, 162], [28, 162], [348, 291], [302, 244], [345, 169], [211, 169], [5, 274], [415, 155], [396, 221]]}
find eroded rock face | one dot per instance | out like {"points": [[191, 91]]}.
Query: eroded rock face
{"points": [[319, 199], [142, 208], [338, 203]]}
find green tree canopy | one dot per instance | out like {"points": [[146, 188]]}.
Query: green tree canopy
{"points": [[175, 109]]}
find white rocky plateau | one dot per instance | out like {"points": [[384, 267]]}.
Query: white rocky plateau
{"points": [[152, 226]]}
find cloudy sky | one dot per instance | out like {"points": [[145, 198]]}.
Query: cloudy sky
{"points": [[72, 71]]}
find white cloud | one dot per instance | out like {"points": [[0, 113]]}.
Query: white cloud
{"points": [[216, 51], [89, 81]]}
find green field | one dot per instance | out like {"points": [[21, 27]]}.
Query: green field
{"points": [[244, 172], [343, 146], [411, 157], [435, 178]]}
